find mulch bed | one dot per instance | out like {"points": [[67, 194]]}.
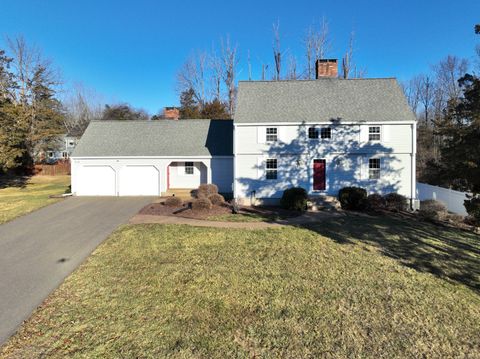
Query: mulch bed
{"points": [[160, 209]]}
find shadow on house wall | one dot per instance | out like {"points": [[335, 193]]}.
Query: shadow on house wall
{"points": [[342, 153]]}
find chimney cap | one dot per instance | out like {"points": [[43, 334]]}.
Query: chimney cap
{"points": [[327, 60]]}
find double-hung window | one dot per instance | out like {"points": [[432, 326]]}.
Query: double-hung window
{"points": [[316, 133], [313, 133], [272, 134], [326, 133], [374, 168], [374, 133], [189, 168], [271, 169]]}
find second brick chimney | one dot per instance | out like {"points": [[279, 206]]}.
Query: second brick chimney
{"points": [[326, 68], [171, 113]]}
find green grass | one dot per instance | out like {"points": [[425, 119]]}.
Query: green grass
{"points": [[155, 291], [19, 200]]}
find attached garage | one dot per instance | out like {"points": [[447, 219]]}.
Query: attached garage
{"points": [[146, 158]]}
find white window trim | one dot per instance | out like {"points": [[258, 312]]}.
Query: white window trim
{"points": [[380, 133], [267, 134], [379, 169], [185, 168], [270, 169], [319, 129]]}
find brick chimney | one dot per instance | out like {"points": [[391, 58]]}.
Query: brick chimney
{"points": [[171, 113], [326, 68]]}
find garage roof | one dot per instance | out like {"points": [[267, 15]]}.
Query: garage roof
{"points": [[156, 138], [322, 100]]}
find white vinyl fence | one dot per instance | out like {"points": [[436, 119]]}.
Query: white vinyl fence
{"points": [[452, 199]]}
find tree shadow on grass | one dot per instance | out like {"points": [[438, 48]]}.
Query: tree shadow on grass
{"points": [[449, 253], [13, 181]]}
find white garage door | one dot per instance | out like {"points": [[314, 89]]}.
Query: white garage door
{"points": [[96, 181], [139, 181]]}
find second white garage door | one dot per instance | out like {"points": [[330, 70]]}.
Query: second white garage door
{"points": [[139, 181]]}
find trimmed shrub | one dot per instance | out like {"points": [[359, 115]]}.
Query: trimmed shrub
{"points": [[432, 210], [396, 202], [173, 201], [375, 202], [294, 198], [201, 204], [472, 206], [206, 189], [352, 198], [216, 199]]}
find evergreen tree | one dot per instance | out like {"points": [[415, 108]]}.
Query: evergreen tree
{"points": [[188, 105], [460, 133], [215, 110]]}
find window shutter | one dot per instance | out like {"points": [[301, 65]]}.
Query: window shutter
{"points": [[363, 163], [261, 134], [385, 131], [363, 133], [260, 168]]}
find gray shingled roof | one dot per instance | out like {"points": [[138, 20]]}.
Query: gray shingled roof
{"points": [[157, 138], [321, 100]]}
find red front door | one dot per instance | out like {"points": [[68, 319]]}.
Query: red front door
{"points": [[318, 175]]}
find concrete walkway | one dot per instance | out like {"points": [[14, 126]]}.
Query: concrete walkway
{"points": [[38, 250], [307, 218], [146, 218]]}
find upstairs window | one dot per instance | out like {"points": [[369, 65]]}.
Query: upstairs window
{"points": [[374, 133], [189, 168], [313, 133], [271, 169], [374, 168], [272, 134], [316, 133], [326, 133]]}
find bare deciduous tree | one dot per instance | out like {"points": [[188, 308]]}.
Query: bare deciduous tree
{"points": [[292, 68], [349, 67], [277, 54], [230, 62], [192, 76], [447, 72], [27, 59], [216, 68], [82, 106], [317, 44]]}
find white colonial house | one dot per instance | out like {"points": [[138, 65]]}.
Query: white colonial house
{"points": [[321, 135]]}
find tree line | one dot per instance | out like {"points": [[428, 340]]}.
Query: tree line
{"points": [[37, 109], [446, 102], [206, 82]]}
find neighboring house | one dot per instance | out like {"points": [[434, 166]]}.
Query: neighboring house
{"points": [[321, 135], [62, 149], [131, 158]]}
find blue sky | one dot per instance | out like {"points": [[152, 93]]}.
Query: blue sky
{"points": [[130, 51]]}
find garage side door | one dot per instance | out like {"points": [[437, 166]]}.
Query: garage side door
{"points": [[96, 181], [139, 181]]}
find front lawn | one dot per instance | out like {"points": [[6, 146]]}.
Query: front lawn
{"points": [[179, 291], [18, 198]]}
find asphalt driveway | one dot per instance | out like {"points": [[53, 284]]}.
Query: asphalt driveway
{"points": [[39, 250]]}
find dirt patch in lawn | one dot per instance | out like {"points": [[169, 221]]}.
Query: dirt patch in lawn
{"points": [[219, 212]]}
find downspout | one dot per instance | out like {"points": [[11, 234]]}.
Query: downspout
{"points": [[413, 169], [234, 184]]}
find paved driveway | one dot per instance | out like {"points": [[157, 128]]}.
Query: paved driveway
{"points": [[39, 250]]}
